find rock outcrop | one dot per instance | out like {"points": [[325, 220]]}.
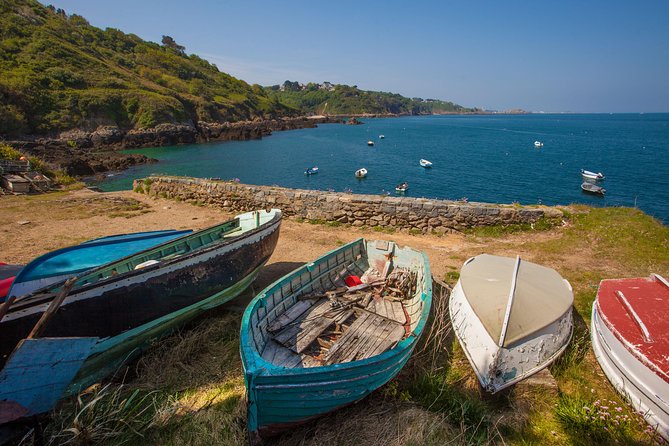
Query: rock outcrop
{"points": [[83, 153]]}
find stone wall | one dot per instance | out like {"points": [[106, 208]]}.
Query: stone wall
{"points": [[407, 213]]}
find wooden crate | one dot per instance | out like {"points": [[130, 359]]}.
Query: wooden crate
{"points": [[15, 183], [38, 181]]}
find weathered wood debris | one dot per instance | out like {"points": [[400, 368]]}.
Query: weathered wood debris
{"points": [[344, 324]]}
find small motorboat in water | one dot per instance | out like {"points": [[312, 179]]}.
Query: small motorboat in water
{"points": [[311, 171], [425, 163], [629, 325], [403, 187], [382, 136], [593, 189], [511, 318], [538, 144], [361, 173], [370, 143], [592, 175]]}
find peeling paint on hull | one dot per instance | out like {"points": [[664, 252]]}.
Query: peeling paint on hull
{"points": [[144, 303]]}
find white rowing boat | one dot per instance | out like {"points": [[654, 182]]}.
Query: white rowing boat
{"points": [[512, 318], [361, 173]]}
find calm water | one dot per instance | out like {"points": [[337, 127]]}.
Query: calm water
{"points": [[483, 158]]}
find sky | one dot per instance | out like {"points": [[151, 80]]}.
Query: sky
{"points": [[553, 56]]}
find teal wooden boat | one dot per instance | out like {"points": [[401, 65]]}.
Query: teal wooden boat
{"points": [[60, 264], [285, 388]]}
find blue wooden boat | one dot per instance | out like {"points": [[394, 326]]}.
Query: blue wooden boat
{"points": [[133, 301], [285, 388], [61, 264]]}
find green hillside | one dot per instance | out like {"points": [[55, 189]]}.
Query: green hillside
{"points": [[332, 99], [58, 72]]}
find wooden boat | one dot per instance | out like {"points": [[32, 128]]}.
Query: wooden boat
{"points": [[137, 299], [630, 321], [289, 385], [58, 265], [512, 318], [403, 187], [587, 175], [370, 143], [311, 171], [425, 163], [593, 189], [538, 144], [361, 173]]}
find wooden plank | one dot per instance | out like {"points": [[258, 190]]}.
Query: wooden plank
{"points": [[309, 325], [290, 315], [389, 309], [281, 356], [38, 372], [368, 336], [348, 341]]}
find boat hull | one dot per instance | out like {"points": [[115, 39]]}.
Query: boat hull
{"points": [[643, 388], [281, 397], [277, 402], [500, 367], [128, 302], [110, 354]]}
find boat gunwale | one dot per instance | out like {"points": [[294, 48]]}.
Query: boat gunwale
{"points": [[38, 296], [611, 362], [103, 241], [254, 364]]}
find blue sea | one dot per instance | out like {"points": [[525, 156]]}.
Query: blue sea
{"points": [[488, 158]]}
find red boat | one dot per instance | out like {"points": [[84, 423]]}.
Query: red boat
{"points": [[7, 274], [630, 338]]}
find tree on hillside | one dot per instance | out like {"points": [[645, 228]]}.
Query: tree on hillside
{"points": [[171, 43]]}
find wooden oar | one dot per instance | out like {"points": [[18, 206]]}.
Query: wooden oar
{"points": [[53, 307], [4, 308]]}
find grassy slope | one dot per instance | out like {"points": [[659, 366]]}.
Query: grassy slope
{"points": [[345, 99], [58, 72], [190, 389]]}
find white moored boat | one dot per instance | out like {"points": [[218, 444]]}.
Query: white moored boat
{"points": [[370, 143], [586, 174], [512, 318], [425, 163], [361, 173], [538, 144], [630, 322]]}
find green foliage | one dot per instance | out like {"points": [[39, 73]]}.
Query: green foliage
{"points": [[345, 99], [58, 72], [494, 231], [596, 422], [9, 153], [452, 276]]}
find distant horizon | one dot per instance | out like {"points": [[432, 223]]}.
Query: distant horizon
{"points": [[599, 57]]}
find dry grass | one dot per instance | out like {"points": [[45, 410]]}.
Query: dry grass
{"points": [[193, 387]]}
